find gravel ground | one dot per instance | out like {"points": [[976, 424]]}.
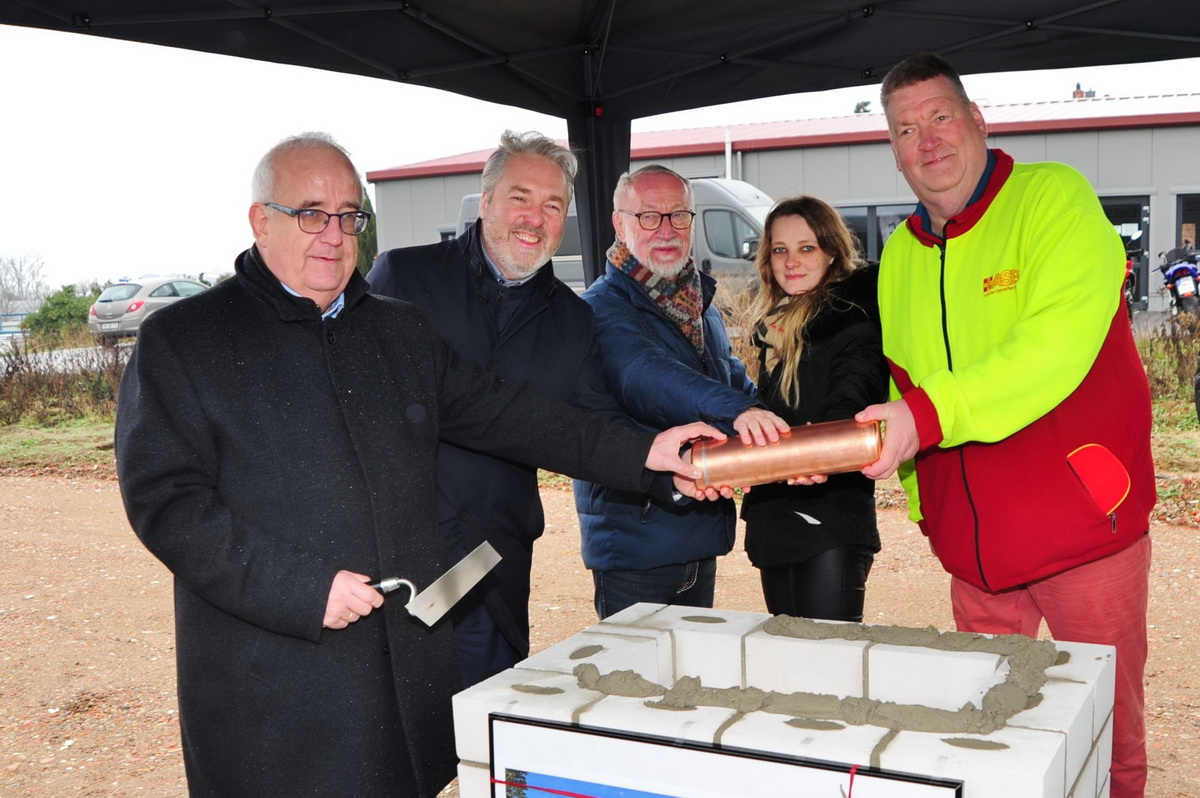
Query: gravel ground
{"points": [[87, 697]]}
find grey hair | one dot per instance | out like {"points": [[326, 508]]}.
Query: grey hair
{"points": [[626, 182], [918, 69], [529, 143], [262, 185]]}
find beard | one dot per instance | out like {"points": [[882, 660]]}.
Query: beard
{"points": [[667, 269], [515, 264]]}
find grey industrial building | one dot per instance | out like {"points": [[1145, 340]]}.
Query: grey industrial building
{"points": [[1142, 154]]}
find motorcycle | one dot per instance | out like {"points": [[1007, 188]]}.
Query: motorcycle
{"points": [[1180, 275]]}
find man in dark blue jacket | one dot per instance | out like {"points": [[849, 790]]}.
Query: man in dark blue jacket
{"points": [[668, 360], [493, 296]]}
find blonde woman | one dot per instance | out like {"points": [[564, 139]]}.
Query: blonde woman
{"points": [[820, 359]]}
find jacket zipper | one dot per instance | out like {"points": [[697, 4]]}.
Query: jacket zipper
{"points": [[962, 458]]}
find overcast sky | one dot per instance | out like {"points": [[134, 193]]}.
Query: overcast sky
{"points": [[123, 159]]}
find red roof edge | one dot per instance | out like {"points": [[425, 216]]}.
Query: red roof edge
{"points": [[434, 169], [1098, 123], [750, 145], [473, 162]]}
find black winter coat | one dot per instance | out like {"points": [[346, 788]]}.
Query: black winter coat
{"points": [[549, 341], [842, 370], [260, 449]]}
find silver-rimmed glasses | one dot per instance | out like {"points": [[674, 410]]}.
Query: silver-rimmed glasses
{"points": [[314, 220]]}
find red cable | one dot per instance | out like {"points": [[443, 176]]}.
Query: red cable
{"points": [[541, 789]]}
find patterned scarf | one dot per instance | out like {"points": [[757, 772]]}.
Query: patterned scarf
{"points": [[680, 299], [769, 335]]}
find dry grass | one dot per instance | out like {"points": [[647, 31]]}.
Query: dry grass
{"points": [[48, 385]]}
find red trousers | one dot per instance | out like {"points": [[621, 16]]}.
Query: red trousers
{"points": [[1100, 602]]}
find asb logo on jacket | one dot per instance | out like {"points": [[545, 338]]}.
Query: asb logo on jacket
{"points": [[1001, 281]]}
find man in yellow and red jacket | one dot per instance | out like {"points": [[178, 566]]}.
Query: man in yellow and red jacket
{"points": [[1020, 412]]}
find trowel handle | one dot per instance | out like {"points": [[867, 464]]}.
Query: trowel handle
{"points": [[394, 583]]}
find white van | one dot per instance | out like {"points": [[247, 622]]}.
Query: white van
{"points": [[729, 222]]}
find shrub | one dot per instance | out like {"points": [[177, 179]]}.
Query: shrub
{"points": [[62, 313], [735, 298], [1170, 354], [45, 386]]}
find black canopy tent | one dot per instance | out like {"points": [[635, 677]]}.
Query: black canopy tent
{"points": [[602, 63]]}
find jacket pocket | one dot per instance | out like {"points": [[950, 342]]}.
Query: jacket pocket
{"points": [[1102, 474]]}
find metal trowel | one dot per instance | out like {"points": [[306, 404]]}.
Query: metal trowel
{"points": [[430, 604]]}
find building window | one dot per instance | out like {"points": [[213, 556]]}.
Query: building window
{"points": [[1189, 219], [1130, 217], [874, 225]]}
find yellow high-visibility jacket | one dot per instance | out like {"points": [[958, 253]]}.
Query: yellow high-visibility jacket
{"points": [[1008, 339]]}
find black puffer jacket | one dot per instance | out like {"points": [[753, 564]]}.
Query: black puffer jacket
{"points": [[842, 370]]}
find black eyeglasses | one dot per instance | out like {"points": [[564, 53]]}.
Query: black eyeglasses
{"points": [[313, 220], [652, 220]]}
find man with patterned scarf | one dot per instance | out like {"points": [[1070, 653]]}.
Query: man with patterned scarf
{"points": [[668, 361]]}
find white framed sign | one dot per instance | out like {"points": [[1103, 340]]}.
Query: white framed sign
{"points": [[534, 758]]}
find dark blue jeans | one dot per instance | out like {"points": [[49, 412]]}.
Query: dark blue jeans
{"points": [[689, 584]]}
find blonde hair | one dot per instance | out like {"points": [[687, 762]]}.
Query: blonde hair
{"points": [[835, 238]]}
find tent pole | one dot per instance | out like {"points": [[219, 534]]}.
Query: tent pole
{"points": [[602, 143]]}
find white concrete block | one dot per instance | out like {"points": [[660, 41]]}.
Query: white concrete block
{"points": [[1010, 763], [708, 643], [647, 654], [793, 665], [524, 693], [928, 677], [1104, 746], [631, 616], [1094, 665], [1087, 783], [623, 630], [697, 725], [674, 617], [1060, 747], [474, 781], [1066, 709], [829, 741]]}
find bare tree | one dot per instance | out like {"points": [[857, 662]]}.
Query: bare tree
{"points": [[22, 283]]}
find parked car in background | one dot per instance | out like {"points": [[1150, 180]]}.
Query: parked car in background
{"points": [[121, 307]]}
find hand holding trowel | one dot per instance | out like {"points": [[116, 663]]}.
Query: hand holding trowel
{"points": [[430, 604]]}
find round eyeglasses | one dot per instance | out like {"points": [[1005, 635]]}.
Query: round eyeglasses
{"points": [[314, 220], [652, 220]]}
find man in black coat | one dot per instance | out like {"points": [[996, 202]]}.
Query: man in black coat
{"points": [[493, 296], [276, 443]]}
